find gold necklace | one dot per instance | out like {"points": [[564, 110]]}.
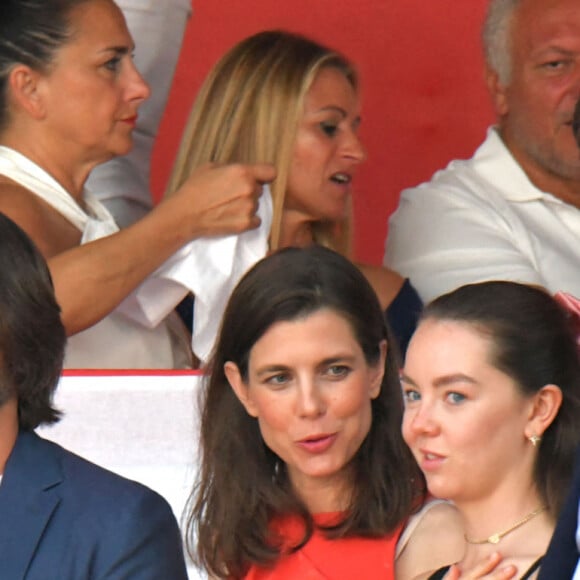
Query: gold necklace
{"points": [[495, 538]]}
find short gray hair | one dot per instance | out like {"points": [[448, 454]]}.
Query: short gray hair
{"points": [[497, 37]]}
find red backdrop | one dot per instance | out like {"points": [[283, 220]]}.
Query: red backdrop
{"points": [[424, 99]]}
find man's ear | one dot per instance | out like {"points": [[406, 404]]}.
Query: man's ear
{"points": [[25, 90], [545, 406], [498, 92], [378, 371], [240, 388]]}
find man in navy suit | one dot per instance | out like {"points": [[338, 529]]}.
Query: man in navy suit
{"points": [[562, 560], [61, 517]]}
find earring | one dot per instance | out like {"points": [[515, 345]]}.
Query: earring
{"points": [[535, 440]]}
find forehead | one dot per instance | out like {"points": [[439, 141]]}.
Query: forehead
{"points": [[98, 23], [316, 335], [442, 346], [542, 22], [331, 87]]}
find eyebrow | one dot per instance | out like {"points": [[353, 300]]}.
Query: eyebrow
{"points": [[443, 381], [547, 50], [334, 108], [120, 50], [276, 368], [271, 369]]}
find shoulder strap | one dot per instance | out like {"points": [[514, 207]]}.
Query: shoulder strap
{"points": [[413, 522]]}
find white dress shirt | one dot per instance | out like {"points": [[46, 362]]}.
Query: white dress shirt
{"points": [[482, 219]]}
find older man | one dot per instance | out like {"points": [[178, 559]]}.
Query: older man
{"points": [[511, 211], [61, 517]]}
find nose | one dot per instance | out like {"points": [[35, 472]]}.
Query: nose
{"points": [[353, 148], [137, 87], [310, 401], [422, 420]]}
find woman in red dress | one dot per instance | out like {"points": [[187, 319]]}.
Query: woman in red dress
{"points": [[304, 470]]}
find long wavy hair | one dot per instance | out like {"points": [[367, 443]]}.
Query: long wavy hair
{"points": [[242, 483]]}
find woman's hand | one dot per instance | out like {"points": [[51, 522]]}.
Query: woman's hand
{"points": [[487, 569], [92, 279], [218, 200]]}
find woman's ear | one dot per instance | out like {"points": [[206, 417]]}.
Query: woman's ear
{"points": [[378, 371], [239, 387], [25, 90], [545, 406]]}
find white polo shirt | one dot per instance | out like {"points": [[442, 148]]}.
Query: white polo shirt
{"points": [[482, 219]]}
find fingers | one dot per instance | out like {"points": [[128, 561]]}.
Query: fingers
{"points": [[487, 569], [263, 172], [221, 199]]}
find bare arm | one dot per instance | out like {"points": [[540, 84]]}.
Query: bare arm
{"points": [[92, 279]]}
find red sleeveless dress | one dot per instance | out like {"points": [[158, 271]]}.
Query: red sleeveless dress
{"points": [[324, 559]]}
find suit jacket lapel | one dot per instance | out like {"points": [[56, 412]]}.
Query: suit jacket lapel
{"points": [[29, 494]]}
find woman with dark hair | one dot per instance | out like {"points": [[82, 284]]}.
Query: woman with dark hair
{"points": [[304, 471], [69, 99], [492, 414]]}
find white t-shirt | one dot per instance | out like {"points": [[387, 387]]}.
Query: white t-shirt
{"points": [[482, 219]]}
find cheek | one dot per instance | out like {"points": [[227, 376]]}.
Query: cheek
{"points": [[406, 429], [310, 156], [353, 403], [273, 413]]}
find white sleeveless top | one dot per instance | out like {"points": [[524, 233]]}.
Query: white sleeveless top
{"points": [[116, 341]]}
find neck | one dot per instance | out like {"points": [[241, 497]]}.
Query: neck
{"points": [[324, 495], [70, 172], [487, 516], [8, 430], [295, 230], [563, 183], [484, 519]]}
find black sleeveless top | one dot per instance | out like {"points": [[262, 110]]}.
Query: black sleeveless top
{"points": [[442, 571]]}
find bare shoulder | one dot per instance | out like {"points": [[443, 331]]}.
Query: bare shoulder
{"points": [[48, 229], [385, 282], [436, 539]]}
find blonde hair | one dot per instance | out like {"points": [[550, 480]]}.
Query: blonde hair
{"points": [[248, 111]]}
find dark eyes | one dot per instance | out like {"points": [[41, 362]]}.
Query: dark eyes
{"points": [[113, 64], [329, 128], [556, 65]]}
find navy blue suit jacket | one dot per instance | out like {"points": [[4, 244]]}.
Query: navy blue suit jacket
{"points": [[63, 518], [562, 556]]}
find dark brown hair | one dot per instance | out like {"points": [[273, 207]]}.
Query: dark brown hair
{"points": [[32, 337], [533, 342], [243, 484], [31, 32]]}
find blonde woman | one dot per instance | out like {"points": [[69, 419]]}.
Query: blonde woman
{"points": [[280, 98]]}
